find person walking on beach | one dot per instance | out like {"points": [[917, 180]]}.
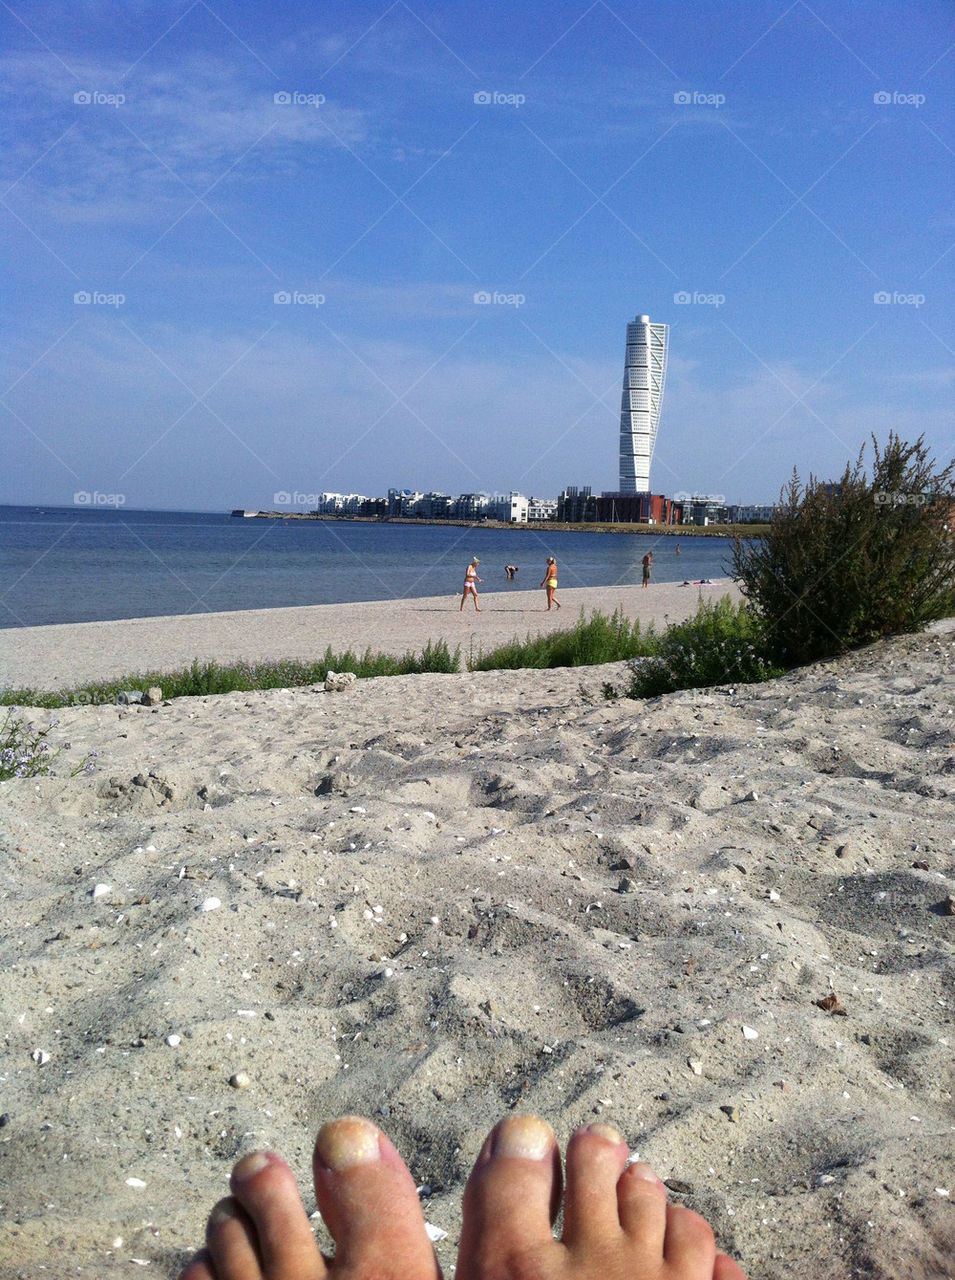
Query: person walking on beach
{"points": [[550, 582], [470, 583], [647, 566]]}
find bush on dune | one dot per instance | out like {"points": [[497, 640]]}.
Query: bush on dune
{"points": [[846, 563], [723, 644]]}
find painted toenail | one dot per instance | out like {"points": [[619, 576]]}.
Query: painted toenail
{"points": [[605, 1131], [644, 1172], [525, 1137], [250, 1165], [347, 1142]]}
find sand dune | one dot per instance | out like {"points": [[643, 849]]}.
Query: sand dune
{"points": [[446, 896]]}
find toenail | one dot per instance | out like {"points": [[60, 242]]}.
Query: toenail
{"points": [[224, 1211], [605, 1131], [250, 1165], [645, 1173], [525, 1137], [347, 1142]]}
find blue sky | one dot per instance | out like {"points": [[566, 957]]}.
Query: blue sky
{"points": [[770, 179]]}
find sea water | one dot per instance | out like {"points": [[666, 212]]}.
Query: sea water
{"points": [[85, 565]]}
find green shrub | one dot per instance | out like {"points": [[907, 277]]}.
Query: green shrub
{"points": [[723, 644], [846, 563]]}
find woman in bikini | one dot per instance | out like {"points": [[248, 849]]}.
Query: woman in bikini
{"points": [[550, 582], [470, 583]]}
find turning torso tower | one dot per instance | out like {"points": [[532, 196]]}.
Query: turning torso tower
{"points": [[644, 376]]}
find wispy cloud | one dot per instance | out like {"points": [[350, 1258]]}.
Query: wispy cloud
{"points": [[178, 129]]}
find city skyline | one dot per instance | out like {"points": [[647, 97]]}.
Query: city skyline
{"points": [[332, 248]]}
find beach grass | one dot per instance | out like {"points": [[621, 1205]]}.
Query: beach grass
{"points": [[590, 642], [721, 644]]}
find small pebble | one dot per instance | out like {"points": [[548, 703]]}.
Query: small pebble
{"points": [[101, 891], [209, 904], [750, 1033], [40, 1057], [241, 1080], [174, 1041], [696, 1066], [135, 1182]]}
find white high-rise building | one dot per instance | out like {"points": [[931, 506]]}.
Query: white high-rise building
{"points": [[644, 376]]}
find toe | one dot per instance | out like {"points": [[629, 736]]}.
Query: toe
{"points": [[200, 1268], [275, 1221], [596, 1157], [510, 1201], [370, 1205], [642, 1204], [726, 1269], [230, 1243], [689, 1247]]}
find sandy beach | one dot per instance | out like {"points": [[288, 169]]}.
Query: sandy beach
{"points": [[718, 920], [57, 657]]}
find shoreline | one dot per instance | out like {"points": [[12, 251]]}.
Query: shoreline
{"points": [[62, 655]]}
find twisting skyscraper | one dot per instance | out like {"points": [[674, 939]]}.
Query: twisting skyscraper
{"points": [[644, 376]]}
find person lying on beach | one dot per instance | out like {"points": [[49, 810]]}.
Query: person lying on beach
{"points": [[471, 580], [617, 1223]]}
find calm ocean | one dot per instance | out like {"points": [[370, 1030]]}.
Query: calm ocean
{"points": [[67, 564]]}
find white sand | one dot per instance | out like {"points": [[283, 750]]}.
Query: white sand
{"points": [[447, 896], [57, 657]]}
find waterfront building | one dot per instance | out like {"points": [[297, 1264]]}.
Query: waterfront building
{"points": [[512, 509], [644, 379], [541, 509]]}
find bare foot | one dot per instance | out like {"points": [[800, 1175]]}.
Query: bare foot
{"points": [[366, 1196], [617, 1224]]}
